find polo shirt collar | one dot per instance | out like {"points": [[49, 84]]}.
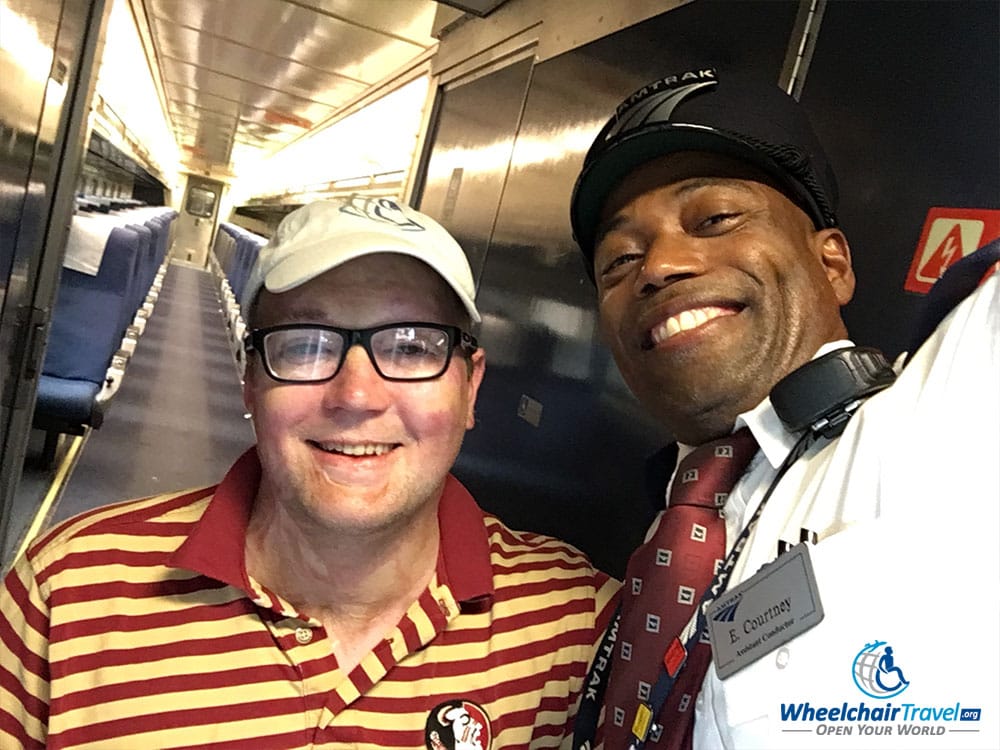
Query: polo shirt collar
{"points": [[216, 544], [464, 563]]}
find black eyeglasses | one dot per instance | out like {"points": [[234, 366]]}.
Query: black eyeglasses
{"points": [[309, 353]]}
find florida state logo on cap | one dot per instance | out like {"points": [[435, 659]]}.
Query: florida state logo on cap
{"points": [[458, 724]]}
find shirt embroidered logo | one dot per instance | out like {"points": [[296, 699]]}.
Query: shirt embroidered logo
{"points": [[458, 724]]}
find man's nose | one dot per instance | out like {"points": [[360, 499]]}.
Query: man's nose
{"points": [[358, 386], [670, 256]]}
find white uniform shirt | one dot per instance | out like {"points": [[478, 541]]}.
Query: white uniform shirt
{"points": [[904, 506]]}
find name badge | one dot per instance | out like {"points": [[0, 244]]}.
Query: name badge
{"points": [[777, 604]]}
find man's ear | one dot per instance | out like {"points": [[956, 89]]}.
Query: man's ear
{"points": [[477, 368], [248, 394], [834, 254]]}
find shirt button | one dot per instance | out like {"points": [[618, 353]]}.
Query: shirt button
{"points": [[444, 607], [303, 635]]}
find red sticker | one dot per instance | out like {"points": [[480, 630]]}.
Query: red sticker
{"points": [[949, 234], [674, 657]]}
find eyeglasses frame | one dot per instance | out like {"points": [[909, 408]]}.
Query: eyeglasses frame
{"points": [[254, 341]]}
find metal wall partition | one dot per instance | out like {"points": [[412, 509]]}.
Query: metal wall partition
{"points": [[473, 140], [560, 444], [47, 68]]}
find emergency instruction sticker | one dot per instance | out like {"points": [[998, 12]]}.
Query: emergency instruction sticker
{"points": [[949, 234]]}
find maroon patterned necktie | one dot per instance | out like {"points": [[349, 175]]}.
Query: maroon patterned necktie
{"points": [[664, 582]]}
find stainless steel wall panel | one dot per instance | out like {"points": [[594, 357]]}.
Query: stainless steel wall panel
{"points": [[577, 469], [28, 110], [559, 26], [473, 141]]}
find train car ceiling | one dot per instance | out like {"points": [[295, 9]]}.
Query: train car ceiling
{"points": [[235, 96], [368, 151]]}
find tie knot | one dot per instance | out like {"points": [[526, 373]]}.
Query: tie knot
{"points": [[707, 474]]}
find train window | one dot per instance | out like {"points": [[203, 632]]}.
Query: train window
{"points": [[200, 202]]}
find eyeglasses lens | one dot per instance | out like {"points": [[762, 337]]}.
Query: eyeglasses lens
{"points": [[410, 352], [303, 353]]}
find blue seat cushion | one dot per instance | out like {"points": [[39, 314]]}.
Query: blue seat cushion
{"points": [[65, 398]]}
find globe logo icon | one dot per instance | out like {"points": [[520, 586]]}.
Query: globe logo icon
{"points": [[876, 673]]}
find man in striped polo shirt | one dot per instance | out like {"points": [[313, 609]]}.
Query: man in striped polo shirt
{"points": [[339, 588]]}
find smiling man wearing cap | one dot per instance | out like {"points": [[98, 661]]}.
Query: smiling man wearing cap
{"points": [[706, 213], [339, 588]]}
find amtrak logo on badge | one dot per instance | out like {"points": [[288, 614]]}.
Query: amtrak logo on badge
{"points": [[727, 610], [876, 672], [458, 724]]}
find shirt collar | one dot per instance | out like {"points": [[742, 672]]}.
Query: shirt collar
{"points": [[775, 440], [464, 560], [216, 545]]}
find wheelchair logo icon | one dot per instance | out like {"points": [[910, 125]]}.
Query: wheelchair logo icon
{"points": [[876, 672]]}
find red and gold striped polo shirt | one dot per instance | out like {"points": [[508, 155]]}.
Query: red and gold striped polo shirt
{"points": [[136, 626]]}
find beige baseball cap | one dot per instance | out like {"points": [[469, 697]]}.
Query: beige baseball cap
{"points": [[323, 235]]}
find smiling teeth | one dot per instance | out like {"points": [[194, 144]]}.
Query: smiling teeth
{"points": [[685, 321], [357, 449]]}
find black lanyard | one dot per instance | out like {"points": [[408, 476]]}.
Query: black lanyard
{"points": [[585, 728]]}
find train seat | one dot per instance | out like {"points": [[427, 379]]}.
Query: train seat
{"points": [[86, 331], [133, 324], [233, 254]]}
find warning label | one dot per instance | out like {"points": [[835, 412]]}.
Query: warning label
{"points": [[949, 234]]}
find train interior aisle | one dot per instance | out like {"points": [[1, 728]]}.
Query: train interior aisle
{"points": [[176, 422]]}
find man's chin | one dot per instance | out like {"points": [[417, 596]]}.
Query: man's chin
{"points": [[358, 516], [692, 414]]}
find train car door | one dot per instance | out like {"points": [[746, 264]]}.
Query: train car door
{"points": [[47, 64], [196, 223]]}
